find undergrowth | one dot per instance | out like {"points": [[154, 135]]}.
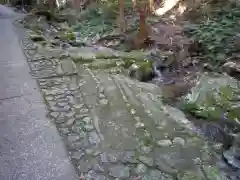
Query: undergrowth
{"points": [[215, 34]]}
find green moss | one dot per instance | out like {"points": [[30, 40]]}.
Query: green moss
{"points": [[215, 105], [68, 35]]}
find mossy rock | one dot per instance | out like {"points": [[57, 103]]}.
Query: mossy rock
{"points": [[214, 97]]}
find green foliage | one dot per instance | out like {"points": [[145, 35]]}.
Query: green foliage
{"points": [[214, 34], [223, 102], [96, 21]]}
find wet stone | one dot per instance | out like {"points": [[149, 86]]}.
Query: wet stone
{"points": [[141, 168], [77, 155], [119, 171], [146, 160], [164, 143]]}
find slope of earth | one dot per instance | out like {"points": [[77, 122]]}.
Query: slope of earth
{"points": [[114, 127]]}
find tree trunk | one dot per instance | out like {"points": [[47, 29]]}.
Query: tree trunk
{"points": [[122, 22]]}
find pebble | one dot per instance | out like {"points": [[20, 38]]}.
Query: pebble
{"points": [[77, 155], [146, 160], [92, 152], [103, 101], [49, 98], [141, 168], [93, 138], [129, 157], [89, 127], [87, 120], [119, 171], [179, 140], [164, 143], [97, 167], [54, 114], [84, 110], [94, 176], [73, 138], [70, 121]]}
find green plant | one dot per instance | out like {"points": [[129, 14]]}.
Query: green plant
{"points": [[214, 34], [224, 102]]}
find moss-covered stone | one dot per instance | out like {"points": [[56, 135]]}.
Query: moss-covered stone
{"points": [[214, 97]]}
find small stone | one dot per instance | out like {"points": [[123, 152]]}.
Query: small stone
{"points": [[97, 167], [119, 171], [164, 143], [84, 110], [64, 131], [73, 138], [80, 116], [139, 125], [93, 138], [60, 120], [69, 115], [105, 157], [73, 87], [103, 101], [49, 98], [179, 140], [87, 120], [129, 157], [78, 106], [54, 114], [133, 111], [70, 121], [88, 127], [146, 160], [146, 149], [92, 152], [101, 95], [141, 168], [67, 108], [77, 155]]}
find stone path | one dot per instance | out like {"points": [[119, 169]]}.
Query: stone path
{"points": [[31, 147], [114, 127]]}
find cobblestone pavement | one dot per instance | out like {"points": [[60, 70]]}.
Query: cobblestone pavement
{"points": [[114, 127]]}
